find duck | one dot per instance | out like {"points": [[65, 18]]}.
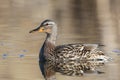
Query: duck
{"points": [[68, 59]]}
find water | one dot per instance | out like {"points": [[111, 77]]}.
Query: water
{"points": [[19, 50]]}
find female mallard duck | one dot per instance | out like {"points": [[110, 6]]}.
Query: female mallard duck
{"points": [[69, 59]]}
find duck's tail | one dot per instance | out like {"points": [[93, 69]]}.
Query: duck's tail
{"points": [[100, 56]]}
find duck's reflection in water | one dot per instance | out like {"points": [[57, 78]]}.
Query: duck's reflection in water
{"points": [[49, 68]]}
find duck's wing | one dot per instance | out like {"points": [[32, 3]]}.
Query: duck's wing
{"points": [[88, 46], [78, 58], [75, 59], [77, 47], [79, 51]]}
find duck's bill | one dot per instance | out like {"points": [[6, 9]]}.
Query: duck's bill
{"points": [[39, 29], [34, 30]]}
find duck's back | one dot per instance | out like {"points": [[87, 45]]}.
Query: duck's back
{"points": [[77, 51], [74, 59]]}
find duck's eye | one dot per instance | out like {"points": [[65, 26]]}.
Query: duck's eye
{"points": [[46, 24]]}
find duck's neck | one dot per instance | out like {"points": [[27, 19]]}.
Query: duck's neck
{"points": [[48, 45], [51, 39]]}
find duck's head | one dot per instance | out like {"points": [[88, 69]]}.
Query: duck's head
{"points": [[47, 26]]}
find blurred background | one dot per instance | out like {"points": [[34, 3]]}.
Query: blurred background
{"points": [[79, 21]]}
